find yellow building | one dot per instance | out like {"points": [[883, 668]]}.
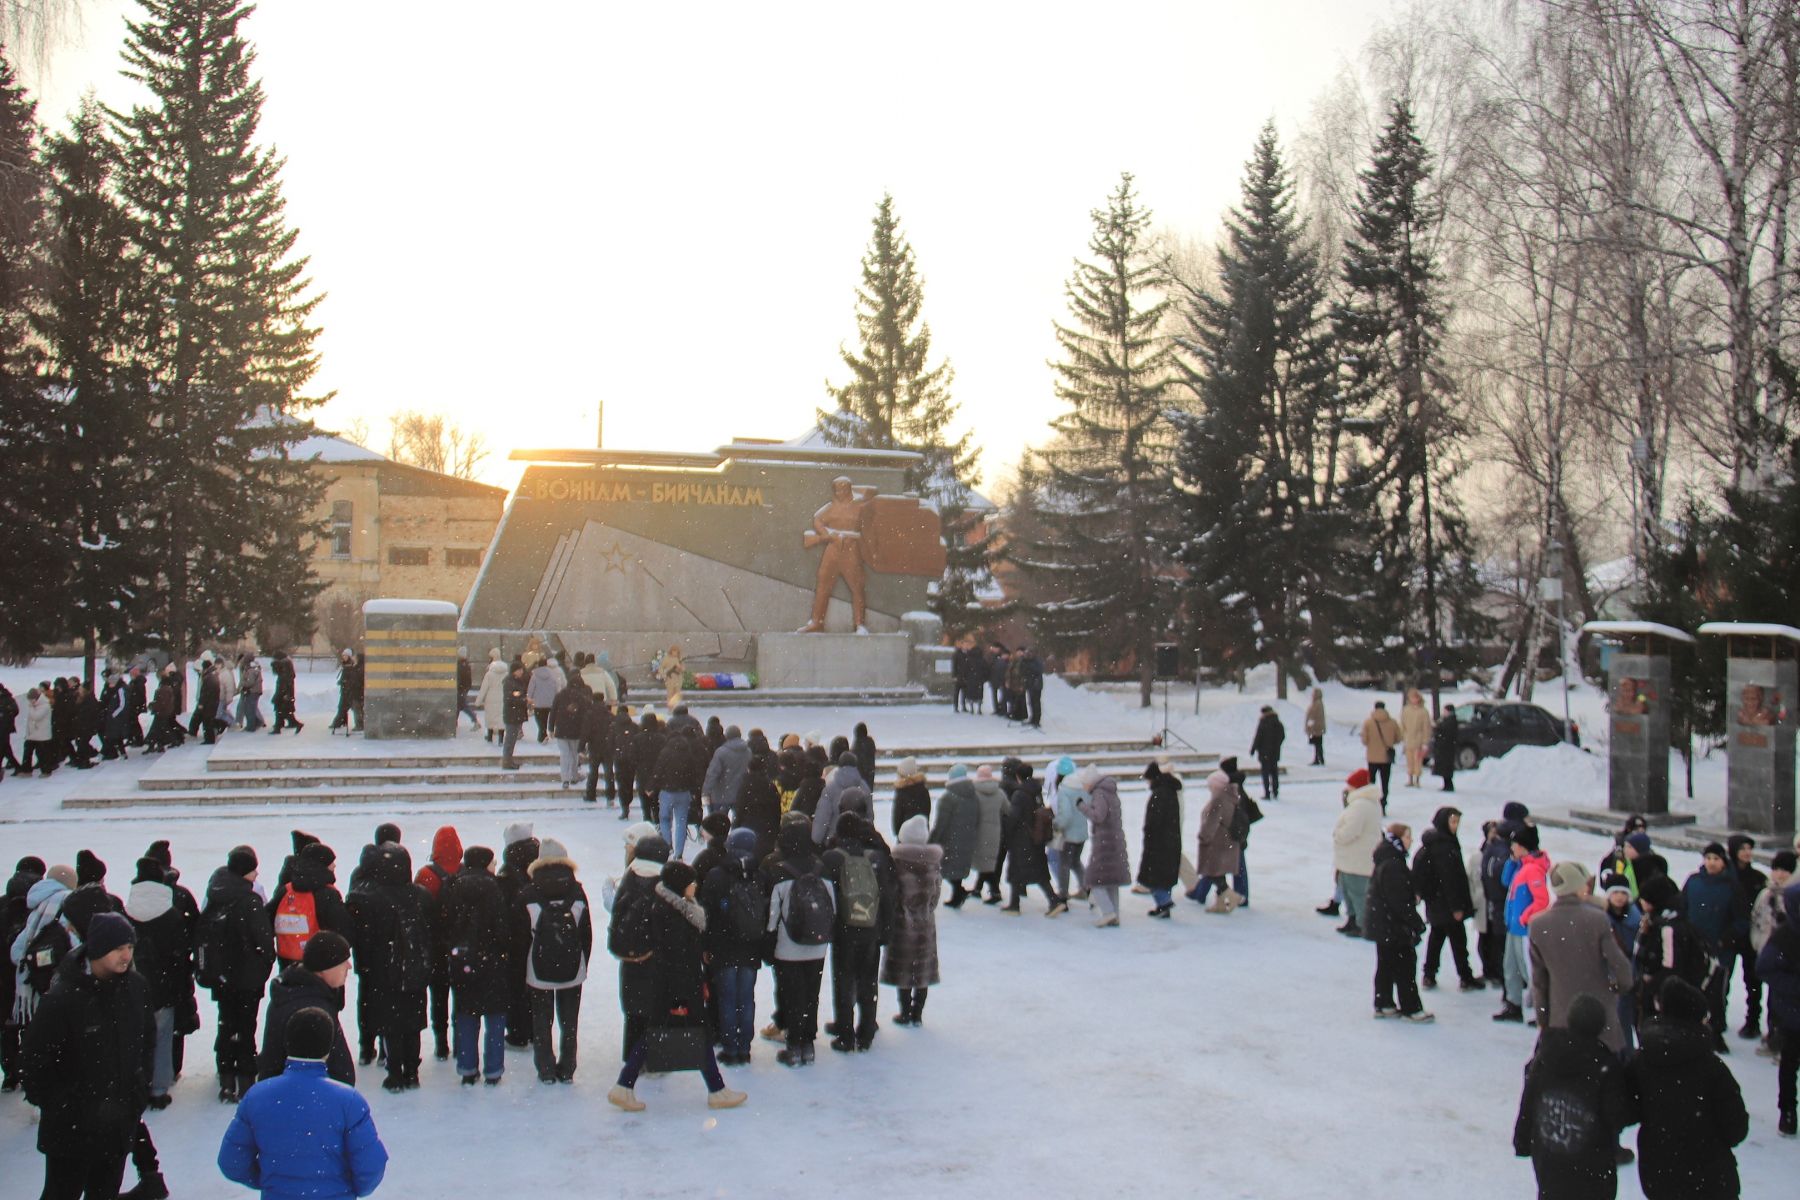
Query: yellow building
{"points": [[392, 531]]}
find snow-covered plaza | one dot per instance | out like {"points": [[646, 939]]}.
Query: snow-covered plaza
{"points": [[1230, 1056]]}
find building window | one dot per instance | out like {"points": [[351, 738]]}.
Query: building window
{"points": [[461, 556], [341, 512], [409, 556]]}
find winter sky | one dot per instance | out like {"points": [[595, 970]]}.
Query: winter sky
{"points": [[519, 211]]}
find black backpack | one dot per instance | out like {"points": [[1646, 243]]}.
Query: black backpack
{"points": [[746, 909], [1237, 827], [1566, 1124], [861, 892], [810, 912], [215, 960], [556, 941], [45, 953], [415, 962]]}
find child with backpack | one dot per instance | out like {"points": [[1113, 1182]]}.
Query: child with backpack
{"points": [[1575, 1103], [861, 876], [737, 917], [802, 917], [43, 943], [562, 940]]}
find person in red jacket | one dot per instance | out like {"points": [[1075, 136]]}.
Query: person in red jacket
{"points": [[446, 860]]}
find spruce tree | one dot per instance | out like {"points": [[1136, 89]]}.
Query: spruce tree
{"points": [[99, 413], [896, 400], [221, 335], [1263, 533], [31, 493], [1098, 562], [1389, 325]]}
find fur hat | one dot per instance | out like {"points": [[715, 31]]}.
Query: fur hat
{"points": [[310, 1034], [241, 861], [1359, 778], [914, 831], [159, 850], [63, 874], [324, 950], [1567, 878], [106, 933], [678, 876], [908, 768], [1587, 1016], [89, 868], [1679, 1000], [1526, 836], [516, 832]]}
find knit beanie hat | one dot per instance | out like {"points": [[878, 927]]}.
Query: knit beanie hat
{"points": [[1679, 1000], [1514, 811], [678, 876], [549, 849], [106, 933], [63, 874], [150, 871], [1526, 836], [1065, 767], [914, 831], [637, 833], [908, 768], [1568, 878], [89, 868], [958, 772], [477, 858], [741, 841], [1359, 778], [1717, 848], [716, 824], [1639, 841], [241, 861], [1587, 1016], [324, 950], [983, 773], [159, 850], [302, 840], [1660, 893], [652, 849], [851, 825], [856, 800], [310, 1033], [1612, 881], [31, 864], [320, 853], [517, 832], [83, 904], [387, 832]]}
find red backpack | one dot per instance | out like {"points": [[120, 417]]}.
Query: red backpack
{"points": [[296, 921]]}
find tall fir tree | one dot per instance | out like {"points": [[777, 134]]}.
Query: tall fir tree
{"points": [[1389, 325], [99, 410], [1098, 565], [31, 493], [1264, 533], [896, 400], [222, 335]]}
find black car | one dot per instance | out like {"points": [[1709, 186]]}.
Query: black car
{"points": [[1489, 730]]}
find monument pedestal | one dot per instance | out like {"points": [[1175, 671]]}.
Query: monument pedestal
{"points": [[832, 660], [1762, 675], [409, 678], [1638, 683]]}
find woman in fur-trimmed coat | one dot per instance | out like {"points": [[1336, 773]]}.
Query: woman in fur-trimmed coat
{"points": [[911, 961]]}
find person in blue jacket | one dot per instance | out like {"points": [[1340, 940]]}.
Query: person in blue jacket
{"points": [[1718, 908], [301, 1135]]}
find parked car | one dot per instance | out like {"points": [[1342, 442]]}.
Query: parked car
{"points": [[1488, 730]]}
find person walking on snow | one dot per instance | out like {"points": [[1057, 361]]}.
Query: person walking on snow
{"points": [[1415, 732], [1266, 747], [1394, 925], [1380, 734], [1315, 726], [1109, 868]]}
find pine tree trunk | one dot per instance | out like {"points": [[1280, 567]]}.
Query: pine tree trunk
{"points": [[87, 658]]}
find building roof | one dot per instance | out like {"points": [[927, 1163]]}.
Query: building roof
{"points": [[330, 448]]}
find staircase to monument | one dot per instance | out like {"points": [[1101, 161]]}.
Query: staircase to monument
{"points": [[240, 776]]}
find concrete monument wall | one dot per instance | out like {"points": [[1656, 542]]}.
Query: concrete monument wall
{"points": [[1760, 746], [1638, 763]]}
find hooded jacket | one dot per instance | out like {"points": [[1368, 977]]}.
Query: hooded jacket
{"points": [[244, 936], [958, 819], [1358, 831], [1779, 966], [990, 808], [795, 856], [1717, 907], [86, 1059], [1108, 865], [307, 875], [1527, 890], [552, 881], [1393, 917], [1216, 854], [165, 948], [299, 988], [1438, 872], [1692, 1112], [912, 957], [1574, 1104], [825, 814], [725, 773]]}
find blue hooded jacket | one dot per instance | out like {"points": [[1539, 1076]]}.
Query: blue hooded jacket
{"points": [[302, 1136], [1716, 907]]}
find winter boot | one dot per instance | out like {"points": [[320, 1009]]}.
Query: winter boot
{"points": [[1785, 1126], [395, 1082], [773, 1033], [1510, 1012], [1472, 984], [843, 1044], [725, 1098], [623, 1097], [1429, 983], [443, 1047], [1752, 1029], [1217, 904], [149, 1187], [793, 1055], [1328, 909], [1350, 929]]}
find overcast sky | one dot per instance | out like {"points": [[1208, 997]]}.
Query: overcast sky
{"points": [[520, 211]]}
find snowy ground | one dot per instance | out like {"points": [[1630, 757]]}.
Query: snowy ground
{"points": [[1233, 1053]]}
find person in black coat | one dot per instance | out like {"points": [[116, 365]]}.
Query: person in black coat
{"points": [[856, 947], [1265, 746], [1027, 863], [624, 759], [282, 667], [647, 747], [597, 735], [1031, 675], [758, 806], [1159, 867], [480, 938], [971, 679], [554, 1002], [1575, 1103], [1443, 748], [676, 780], [87, 1058], [1442, 882], [1394, 925], [515, 710], [1692, 1111], [628, 937], [863, 746], [205, 720], [735, 954], [394, 955], [236, 935], [14, 913], [316, 982], [520, 852], [164, 957]]}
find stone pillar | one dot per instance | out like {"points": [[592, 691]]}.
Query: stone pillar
{"points": [[409, 680], [1760, 681], [930, 661], [1638, 762]]}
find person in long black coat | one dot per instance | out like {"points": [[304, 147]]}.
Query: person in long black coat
{"points": [[863, 746], [1159, 867], [646, 751], [1692, 1110], [480, 940], [629, 937], [317, 982], [1443, 748], [282, 667], [87, 1061], [758, 806], [1442, 880], [1026, 861], [1576, 1101], [515, 872], [394, 960], [1394, 925]]}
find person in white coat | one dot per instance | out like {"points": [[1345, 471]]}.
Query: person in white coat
{"points": [[491, 698], [1354, 839], [38, 744]]}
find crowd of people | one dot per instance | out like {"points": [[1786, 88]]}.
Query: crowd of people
{"points": [[1624, 973], [1010, 681]]}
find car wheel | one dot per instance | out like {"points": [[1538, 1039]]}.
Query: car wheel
{"points": [[1467, 758]]}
